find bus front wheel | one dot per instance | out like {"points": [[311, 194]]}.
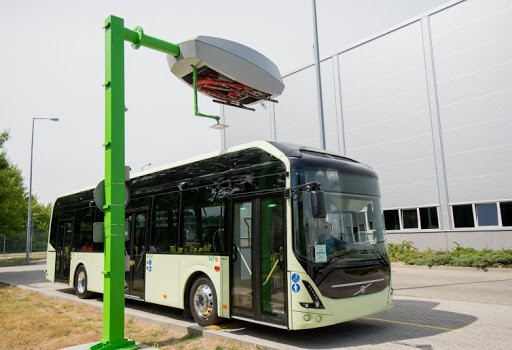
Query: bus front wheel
{"points": [[81, 283], [203, 302]]}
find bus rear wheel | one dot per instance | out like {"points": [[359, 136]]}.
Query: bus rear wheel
{"points": [[203, 302], [81, 283]]}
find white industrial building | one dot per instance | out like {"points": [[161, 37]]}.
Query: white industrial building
{"points": [[428, 105]]}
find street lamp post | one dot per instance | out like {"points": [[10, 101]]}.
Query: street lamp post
{"points": [[29, 212], [318, 81]]}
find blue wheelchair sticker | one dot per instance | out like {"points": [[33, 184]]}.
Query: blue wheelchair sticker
{"points": [[149, 263], [295, 277], [295, 287]]}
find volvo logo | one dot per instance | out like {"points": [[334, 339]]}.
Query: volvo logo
{"points": [[363, 285], [362, 289]]}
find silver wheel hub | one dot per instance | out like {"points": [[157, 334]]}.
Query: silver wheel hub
{"points": [[81, 282], [203, 301]]}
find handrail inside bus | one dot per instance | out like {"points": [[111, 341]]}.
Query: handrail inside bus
{"points": [[244, 261], [271, 272]]}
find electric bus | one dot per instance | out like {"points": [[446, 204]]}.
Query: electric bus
{"points": [[235, 234]]}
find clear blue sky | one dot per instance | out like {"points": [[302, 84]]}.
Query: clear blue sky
{"points": [[52, 65]]}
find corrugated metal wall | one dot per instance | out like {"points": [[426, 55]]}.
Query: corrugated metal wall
{"points": [[387, 117], [472, 50], [427, 104]]}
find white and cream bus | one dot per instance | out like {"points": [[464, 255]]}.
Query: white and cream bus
{"points": [[238, 234]]}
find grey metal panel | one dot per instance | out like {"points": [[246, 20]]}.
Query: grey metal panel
{"points": [[376, 59], [473, 65], [465, 15], [467, 60], [406, 179], [404, 128], [396, 193], [479, 165], [480, 97], [386, 115], [297, 113]]}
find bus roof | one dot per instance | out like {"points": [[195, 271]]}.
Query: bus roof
{"points": [[281, 150]]}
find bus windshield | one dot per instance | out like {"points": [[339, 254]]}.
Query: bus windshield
{"points": [[352, 231]]}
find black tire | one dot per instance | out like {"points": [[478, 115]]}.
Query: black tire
{"points": [[81, 283], [203, 302]]}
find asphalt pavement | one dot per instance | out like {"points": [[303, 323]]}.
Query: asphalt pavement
{"points": [[447, 308]]}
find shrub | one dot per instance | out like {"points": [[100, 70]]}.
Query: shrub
{"points": [[458, 256], [402, 251]]}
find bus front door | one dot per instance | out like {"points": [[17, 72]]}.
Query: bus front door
{"points": [[258, 290], [136, 249]]}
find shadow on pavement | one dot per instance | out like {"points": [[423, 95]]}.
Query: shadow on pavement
{"points": [[453, 284], [410, 319]]}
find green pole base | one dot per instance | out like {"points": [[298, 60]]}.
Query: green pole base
{"points": [[124, 344]]}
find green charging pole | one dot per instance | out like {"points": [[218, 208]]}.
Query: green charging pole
{"points": [[113, 270], [114, 208]]}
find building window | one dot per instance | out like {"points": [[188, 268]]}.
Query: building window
{"points": [[506, 213], [487, 214], [410, 218], [391, 220], [428, 218], [463, 215]]}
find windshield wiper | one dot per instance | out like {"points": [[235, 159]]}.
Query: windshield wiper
{"points": [[381, 256], [377, 252]]}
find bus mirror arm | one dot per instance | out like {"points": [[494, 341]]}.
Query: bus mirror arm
{"points": [[310, 186], [317, 198]]}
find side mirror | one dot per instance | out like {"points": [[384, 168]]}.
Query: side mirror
{"points": [[317, 198], [318, 204]]}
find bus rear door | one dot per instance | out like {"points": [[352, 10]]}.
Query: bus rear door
{"points": [[136, 248], [63, 248]]}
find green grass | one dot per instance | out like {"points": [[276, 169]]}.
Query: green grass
{"points": [[459, 256], [19, 258]]}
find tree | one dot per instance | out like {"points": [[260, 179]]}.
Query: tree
{"points": [[41, 214], [13, 200]]}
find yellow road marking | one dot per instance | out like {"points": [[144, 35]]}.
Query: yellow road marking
{"points": [[224, 325], [414, 324], [214, 327]]}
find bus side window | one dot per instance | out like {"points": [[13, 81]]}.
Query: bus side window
{"points": [[164, 236], [203, 222], [212, 220], [83, 230], [190, 227]]}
